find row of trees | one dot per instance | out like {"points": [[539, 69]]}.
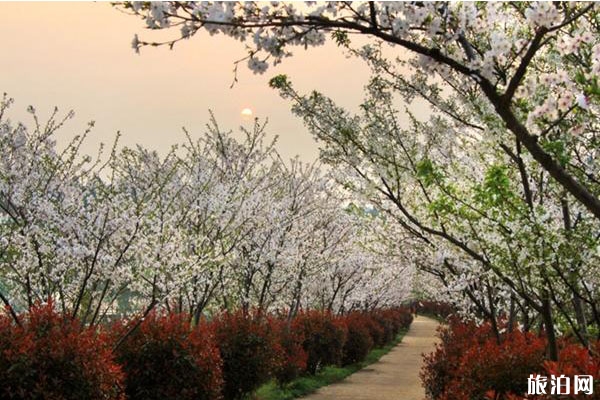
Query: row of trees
{"points": [[499, 186], [219, 223]]}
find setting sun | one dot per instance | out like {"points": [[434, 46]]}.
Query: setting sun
{"points": [[247, 112]]}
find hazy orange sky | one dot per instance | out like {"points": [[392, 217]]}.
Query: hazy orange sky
{"points": [[78, 56]]}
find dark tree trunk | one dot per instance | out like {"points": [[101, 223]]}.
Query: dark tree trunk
{"points": [[549, 328]]}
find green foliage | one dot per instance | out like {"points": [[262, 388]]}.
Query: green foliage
{"points": [[428, 173], [347, 133], [280, 81], [495, 189], [341, 38], [558, 149], [443, 205]]}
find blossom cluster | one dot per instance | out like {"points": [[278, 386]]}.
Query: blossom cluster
{"points": [[223, 222]]}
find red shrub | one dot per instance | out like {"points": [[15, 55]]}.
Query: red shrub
{"points": [[53, 357], [391, 322], [575, 359], [359, 341], [376, 330], [250, 350], [398, 318], [164, 358], [437, 309], [469, 362], [440, 366], [502, 368], [324, 338], [404, 318], [293, 358], [386, 327]]}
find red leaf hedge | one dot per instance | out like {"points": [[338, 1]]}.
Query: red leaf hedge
{"points": [[250, 349], [470, 363], [50, 356], [359, 341], [324, 338], [164, 358], [293, 358]]}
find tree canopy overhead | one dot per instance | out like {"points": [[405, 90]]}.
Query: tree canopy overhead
{"points": [[512, 54]]}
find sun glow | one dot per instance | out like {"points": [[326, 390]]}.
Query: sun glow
{"points": [[247, 112]]}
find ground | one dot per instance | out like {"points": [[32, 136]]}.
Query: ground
{"points": [[394, 377]]}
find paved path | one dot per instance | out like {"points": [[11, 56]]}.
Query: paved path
{"points": [[394, 377]]}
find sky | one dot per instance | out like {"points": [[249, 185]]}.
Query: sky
{"points": [[78, 56]]}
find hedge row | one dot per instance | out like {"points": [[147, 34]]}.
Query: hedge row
{"points": [[50, 356], [471, 363]]}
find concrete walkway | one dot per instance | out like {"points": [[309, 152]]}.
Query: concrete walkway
{"points": [[394, 377]]}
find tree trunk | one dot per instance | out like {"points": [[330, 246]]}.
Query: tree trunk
{"points": [[549, 327], [580, 317], [512, 313]]}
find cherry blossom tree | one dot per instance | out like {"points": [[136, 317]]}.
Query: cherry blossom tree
{"points": [[66, 232], [221, 222], [512, 55], [505, 238]]}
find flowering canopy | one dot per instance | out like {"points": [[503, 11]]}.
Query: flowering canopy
{"points": [[222, 222], [513, 54]]}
